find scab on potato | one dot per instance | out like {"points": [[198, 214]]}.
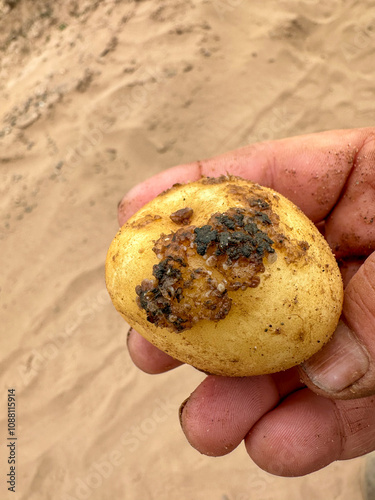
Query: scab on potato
{"points": [[227, 276]]}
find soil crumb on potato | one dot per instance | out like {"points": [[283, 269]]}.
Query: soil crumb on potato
{"points": [[182, 216]]}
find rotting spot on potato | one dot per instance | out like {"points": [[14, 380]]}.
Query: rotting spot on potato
{"points": [[293, 250], [175, 300], [182, 216], [233, 243]]}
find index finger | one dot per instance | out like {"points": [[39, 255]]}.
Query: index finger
{"points": [[311, 170]]}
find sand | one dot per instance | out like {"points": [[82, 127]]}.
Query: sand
{"points": [[96, 96]]}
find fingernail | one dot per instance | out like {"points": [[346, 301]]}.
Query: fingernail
{"points": [[181, 409], [340, 363]]}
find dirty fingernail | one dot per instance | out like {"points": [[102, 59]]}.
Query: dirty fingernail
{"points": [[340, 363]]}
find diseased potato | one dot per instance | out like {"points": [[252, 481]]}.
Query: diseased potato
{"points": [[227, 276]]}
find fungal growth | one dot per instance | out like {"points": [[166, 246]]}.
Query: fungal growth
{"points": [[199, 265]]}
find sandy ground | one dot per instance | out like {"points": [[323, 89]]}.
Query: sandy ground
{"points": [[95, 96]]}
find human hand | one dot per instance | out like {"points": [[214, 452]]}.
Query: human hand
{"points": [[300, 420]]}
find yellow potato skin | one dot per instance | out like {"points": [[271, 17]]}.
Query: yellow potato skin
{"points": [[280, 323]]}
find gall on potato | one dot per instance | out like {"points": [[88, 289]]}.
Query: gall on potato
{"points": [[227, 276]]}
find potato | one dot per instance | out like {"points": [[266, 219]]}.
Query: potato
{"points": [[226, 275]]}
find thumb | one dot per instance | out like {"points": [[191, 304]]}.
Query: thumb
{"points": [[345, 367]]}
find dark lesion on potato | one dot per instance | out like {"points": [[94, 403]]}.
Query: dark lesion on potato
{"points": [[235, 244], [183, 216], [232, 245], [173, 299], [294, 251]]}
